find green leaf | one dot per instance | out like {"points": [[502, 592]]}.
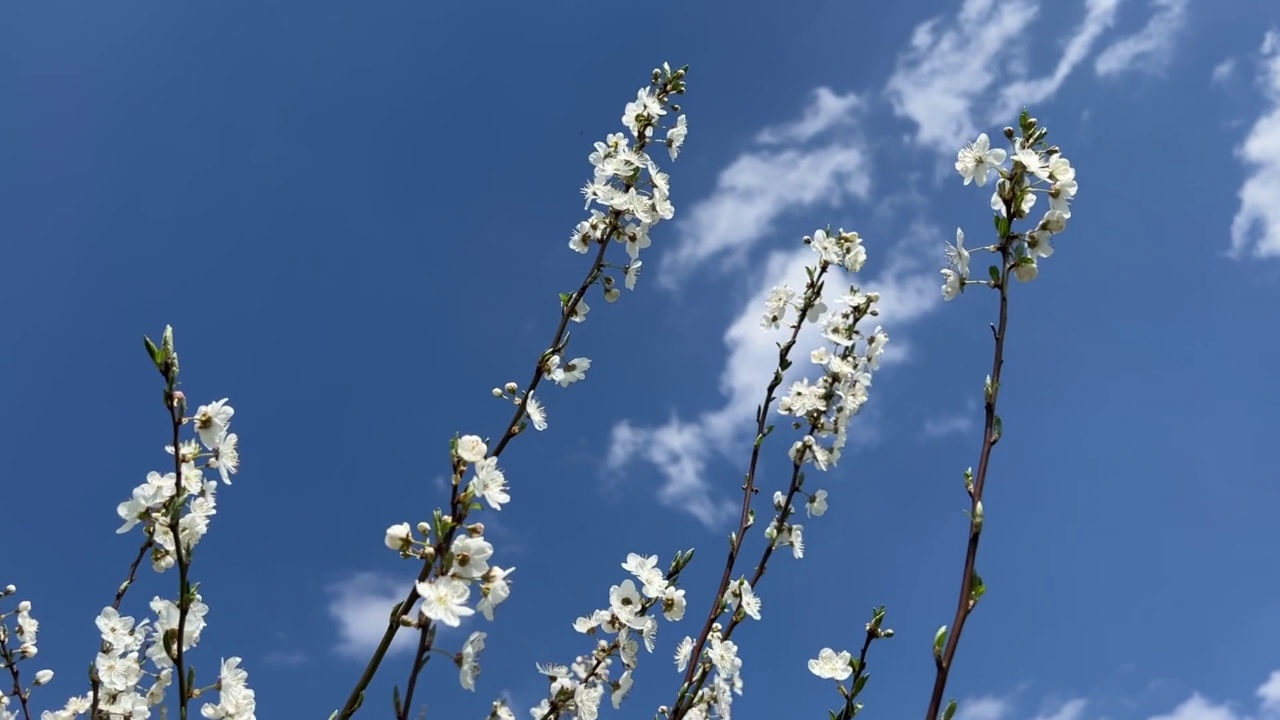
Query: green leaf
{"points": [[950, 712], [153, 352], [939, 639], [994, 273], [395, 699], [976, 588], [861, 683]]}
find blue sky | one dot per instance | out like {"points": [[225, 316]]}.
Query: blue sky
{"points": [[355, 216]]}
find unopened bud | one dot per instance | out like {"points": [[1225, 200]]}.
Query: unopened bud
{"points": [[424, 527], [475, 529], [511, 388], [10, 589], [43, 676], [24, 606], [497, 392]]}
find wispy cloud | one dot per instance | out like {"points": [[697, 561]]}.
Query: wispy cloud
{"points": [[360, 607], [1099, 15], [782, 174], [1196, 707], [1070, 710], [826, 110], [948, 425], [1255, 230], [943, 72], [945, 77], [983, 708], [1149, 49], [1223, 71]]}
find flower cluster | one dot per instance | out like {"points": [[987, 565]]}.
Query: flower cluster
{"points": [[721, 656], [627, 183], [24, 631], [154, 501], [446, 597], [580, 687], [829, 402], [1035, 168]]}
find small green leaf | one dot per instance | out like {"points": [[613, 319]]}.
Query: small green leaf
{"points": [[395, 699], [976, 588], [939, 639], [950, 712], [153, 352], [860, 683], [994, 273]]}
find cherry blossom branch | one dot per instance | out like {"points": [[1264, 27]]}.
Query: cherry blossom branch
{"points": [[613, 229], [10, 661], [990, 436], [1014, 197], [812, 296]]}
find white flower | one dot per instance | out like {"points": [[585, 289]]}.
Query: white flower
{"points": [[676, 136], [831, 665], [494, 590], [580, 311], [470, 557], [235, 700], [469, 660], [471, 448], [490, 483], [212, 421], [444, 600], [817, 504], [957, 255], [684, 651], [740, 593], [952, 284], [226, 457], [673, 603], [976, 159], [536, 412], [399, 537]]}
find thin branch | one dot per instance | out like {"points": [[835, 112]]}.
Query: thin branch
{"points": [[990, 436]]}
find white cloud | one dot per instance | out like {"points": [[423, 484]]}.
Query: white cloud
{"points": [[764, 183], [1099, 15], [944, 79], [1269, 692], [1255, 230], [948, 67], [1198, 708], [1070, 710], [948, 425], [1149, 49], [360, 608], [983, 708], [1223, 71], [826, 111]]}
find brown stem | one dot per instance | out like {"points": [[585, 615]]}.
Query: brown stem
{"points": [[850, 701], [95, 683], [688, 691], [183, 561], [419, 662], [11, 661], [990, 437]]}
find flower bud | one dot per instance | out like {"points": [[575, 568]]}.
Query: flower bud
{"points": [[24, 606], [475, 529], [28, 650], [424, 527], [43, 677], [497, 392], [511, 388], [10, 589]]}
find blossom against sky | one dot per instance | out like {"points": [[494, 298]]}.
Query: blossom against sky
{"points": [[357, 220]]}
